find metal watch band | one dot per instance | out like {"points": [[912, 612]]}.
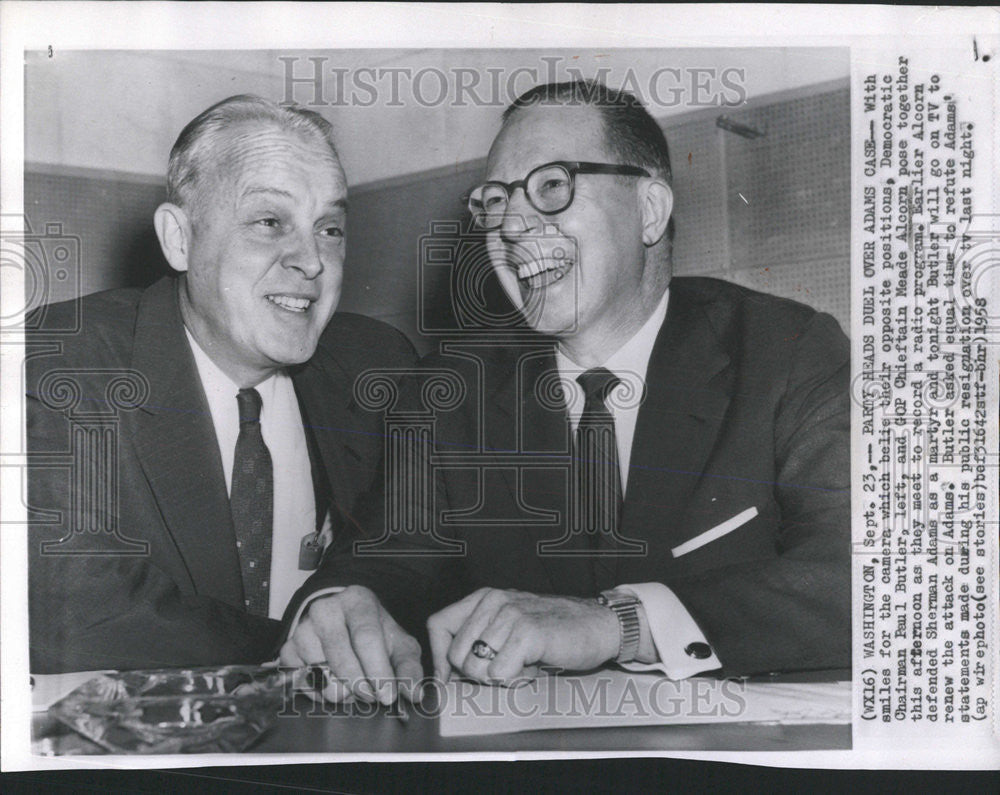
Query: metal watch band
{"points": [[626, 609]]}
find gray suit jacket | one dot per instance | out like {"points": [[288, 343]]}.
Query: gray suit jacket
{"points": [[132, 553]]}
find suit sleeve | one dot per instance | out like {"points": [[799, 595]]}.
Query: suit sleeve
{"points": [[795, 606], [105, 609]]}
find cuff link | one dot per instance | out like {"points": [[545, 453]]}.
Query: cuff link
{"points": [[698, 650]]}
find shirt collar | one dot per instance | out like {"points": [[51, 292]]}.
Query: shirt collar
{"points": [[218, 386], [633, 356]]}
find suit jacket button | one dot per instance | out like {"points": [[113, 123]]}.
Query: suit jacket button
{"points": [[700, 651]]}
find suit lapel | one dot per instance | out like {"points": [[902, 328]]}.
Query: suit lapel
{"points": [[326, 404], [177, 449], [317, 468], [688, 388]]}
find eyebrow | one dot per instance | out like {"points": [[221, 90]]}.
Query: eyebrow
{"points": [[339, 204], [255, 190]]}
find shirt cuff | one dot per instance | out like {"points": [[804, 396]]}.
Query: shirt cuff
{"points": [[679, 642], [308, 601]]}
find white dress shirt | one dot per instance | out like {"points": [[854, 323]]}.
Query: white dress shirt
{"points": [[281, 427], [670, 624]]}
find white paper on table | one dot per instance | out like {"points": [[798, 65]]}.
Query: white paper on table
{"points": [[616, 698]]}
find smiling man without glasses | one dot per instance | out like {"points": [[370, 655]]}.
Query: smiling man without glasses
{"points": [[696, 458], [246, 451]]}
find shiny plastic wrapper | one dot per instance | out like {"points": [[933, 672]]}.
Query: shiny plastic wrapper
{"points": [[200, 710]]}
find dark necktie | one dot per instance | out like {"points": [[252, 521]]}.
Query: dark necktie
{"points": [[599, 485], [251, 502]]}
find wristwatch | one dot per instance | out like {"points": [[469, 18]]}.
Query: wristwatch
{"points": [[626, 609]]}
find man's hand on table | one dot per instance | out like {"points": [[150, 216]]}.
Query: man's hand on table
{"points": [[369, 656], [525, 630]]}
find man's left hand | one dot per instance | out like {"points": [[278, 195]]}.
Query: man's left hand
{"points": [[525, 630]]}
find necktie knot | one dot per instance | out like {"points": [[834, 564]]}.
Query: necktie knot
{"points": [[597, 383], [249, 404]]}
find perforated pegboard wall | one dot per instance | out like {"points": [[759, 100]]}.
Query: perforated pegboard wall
{"points": [[771, 213], [700, 240], [788, 192]]}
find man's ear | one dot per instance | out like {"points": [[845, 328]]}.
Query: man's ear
{"points": [[657, 202], [173, 228]]}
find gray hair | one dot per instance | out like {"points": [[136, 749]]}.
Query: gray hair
{"points": [[193, 151]]}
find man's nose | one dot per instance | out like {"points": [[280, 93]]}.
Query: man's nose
{"points": [[304, 255], [520, 219]]}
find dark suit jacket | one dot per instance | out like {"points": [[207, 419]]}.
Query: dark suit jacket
{"points": [[746, 406], [132, 554]]}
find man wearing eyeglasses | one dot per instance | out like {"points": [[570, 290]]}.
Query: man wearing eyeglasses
{"points": [[671, 487]]}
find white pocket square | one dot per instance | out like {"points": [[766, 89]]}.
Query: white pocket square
{"points": [[716, 532]]}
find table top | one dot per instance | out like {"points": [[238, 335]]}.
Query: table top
{"points": [[310, 728], [383, 734]]}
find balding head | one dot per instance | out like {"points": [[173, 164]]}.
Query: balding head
{"points": [[208, 142]]}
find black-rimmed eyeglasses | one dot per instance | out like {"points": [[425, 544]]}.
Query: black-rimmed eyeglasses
{"points": [[549, 189]]}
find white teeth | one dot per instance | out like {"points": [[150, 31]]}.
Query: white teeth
{"points": [[528, 269], [290, 303]]}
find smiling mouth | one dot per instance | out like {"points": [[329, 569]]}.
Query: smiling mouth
{"points": [[290, 303], [539, 273]]}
